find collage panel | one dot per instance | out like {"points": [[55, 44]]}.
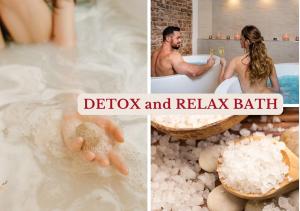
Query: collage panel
{"points": [[225, 162], [215, 162], [51, 157], [224, 47]]}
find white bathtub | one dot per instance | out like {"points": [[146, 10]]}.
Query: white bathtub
{"points": [[205, 83], [232, 85]]}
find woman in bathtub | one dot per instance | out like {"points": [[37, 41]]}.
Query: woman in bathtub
{"points": [[37, 21], [255, 67]]}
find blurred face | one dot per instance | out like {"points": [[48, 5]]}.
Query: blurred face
{"points": [[175, 40]]}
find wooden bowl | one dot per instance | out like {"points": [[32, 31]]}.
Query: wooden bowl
{"points": [[200, 132]]}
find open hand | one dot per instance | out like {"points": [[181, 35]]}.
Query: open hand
{"points": [[75, 143]]}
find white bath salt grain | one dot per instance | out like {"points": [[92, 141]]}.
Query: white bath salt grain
{"points": [[263, 119], [294, 198], [245, 132], [254, 127], [284, 203], [208, 179], [187, 121], [276, 119], [236, 127], [271, 207], [253, 166]]}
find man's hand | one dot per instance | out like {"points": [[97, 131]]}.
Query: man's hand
{"points": [[211, 61]]}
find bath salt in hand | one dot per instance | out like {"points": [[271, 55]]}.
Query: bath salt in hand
{"points": [[95, 138]]}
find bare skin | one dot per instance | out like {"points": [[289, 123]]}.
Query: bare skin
{"points": [[239, 66], [32, 21], [168, 61], [75, 144]]}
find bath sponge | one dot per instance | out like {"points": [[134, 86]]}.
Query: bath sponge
{"points": [[95, 138]]}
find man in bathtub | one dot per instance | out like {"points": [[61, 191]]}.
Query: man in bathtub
{"points": [[168, 61]]}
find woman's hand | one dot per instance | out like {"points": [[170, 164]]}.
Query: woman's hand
{"points": [[75, 143], [223, 62]]}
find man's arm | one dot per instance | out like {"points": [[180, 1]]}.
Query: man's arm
{"points": [[191, 70], [153, 74]]}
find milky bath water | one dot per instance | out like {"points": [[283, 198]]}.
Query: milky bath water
{"points": [[37, 171]]}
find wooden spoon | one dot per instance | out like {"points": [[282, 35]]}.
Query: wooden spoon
{"points": [[202, 132], [288, 184]]}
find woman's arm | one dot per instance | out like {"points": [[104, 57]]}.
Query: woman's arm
{"points": [[64, 23], [274, 81], [227, 72]]}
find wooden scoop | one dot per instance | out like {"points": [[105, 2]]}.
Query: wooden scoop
{"points": [[202, 132], [288, 184]]}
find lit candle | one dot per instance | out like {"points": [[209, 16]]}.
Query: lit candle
{"points": [[237, 36], [285, 37]]}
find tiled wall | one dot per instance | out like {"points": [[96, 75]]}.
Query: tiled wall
{"points": [[171, 13], [272, 17], [204, 18]]}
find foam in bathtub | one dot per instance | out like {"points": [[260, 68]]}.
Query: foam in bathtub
{"points": [[94, 137]]}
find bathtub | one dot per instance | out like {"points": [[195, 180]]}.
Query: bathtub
{"points": [[232, 85], [178, 83]]}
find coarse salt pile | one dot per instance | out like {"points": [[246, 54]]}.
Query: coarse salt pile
{"points": [[253, 166], [187, 121], [176, 181]]}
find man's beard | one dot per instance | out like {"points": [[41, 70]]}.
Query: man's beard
{"points": [[176, 47]]}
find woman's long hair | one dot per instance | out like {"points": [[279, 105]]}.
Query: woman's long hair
{"points": [[261, 65]]}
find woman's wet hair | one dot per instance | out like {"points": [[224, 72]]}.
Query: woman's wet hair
{"points": [[261, 65], [169, 30]]}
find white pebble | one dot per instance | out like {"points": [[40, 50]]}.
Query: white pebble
{"points": [[219, 199]]}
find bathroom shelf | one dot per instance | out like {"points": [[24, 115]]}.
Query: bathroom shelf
{"points": [[280, 51]]}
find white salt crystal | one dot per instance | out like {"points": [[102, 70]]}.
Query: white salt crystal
{"points": [[236, 127], [283, 202], [208, 179], [271, 207], [263, 119], [269, 126], [254, 127], [245, 132], [276, 119], [196, 208]]}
